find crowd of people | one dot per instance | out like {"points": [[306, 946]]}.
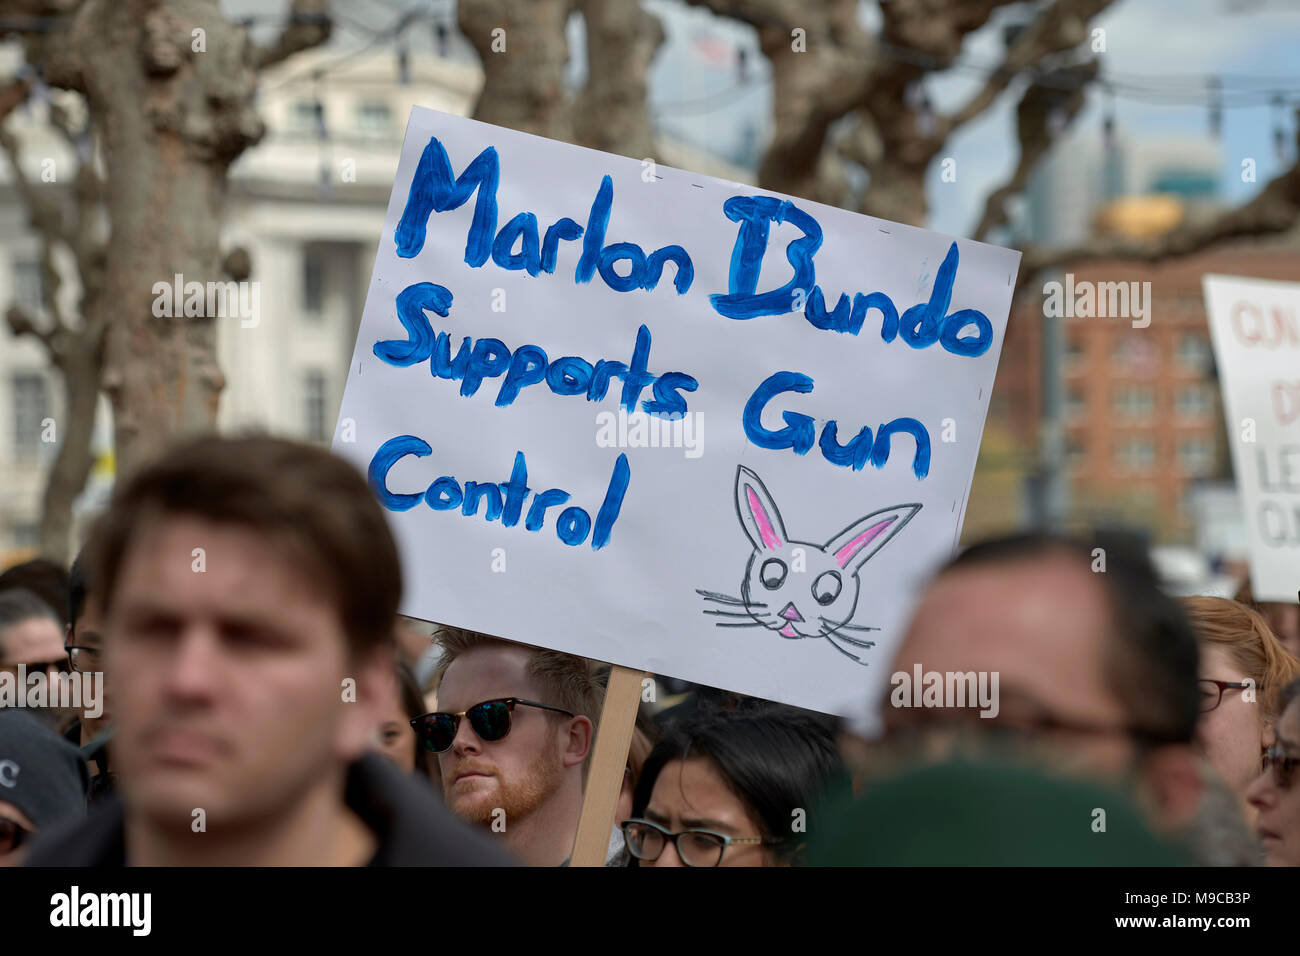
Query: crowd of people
{"points": [[264, 704]]}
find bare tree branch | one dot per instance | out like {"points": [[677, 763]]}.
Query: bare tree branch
{"points": [[1035, 134], [524, 52], [309, 26], [1275, 209], [1060, 27], [819, 74], [612, 113], [12, 95], [21, 323]]}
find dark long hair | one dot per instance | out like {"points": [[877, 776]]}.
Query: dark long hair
{"points": [[775, 759], [413, 705]]}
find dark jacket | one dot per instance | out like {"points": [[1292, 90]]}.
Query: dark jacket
{"points": [[411, 826]]}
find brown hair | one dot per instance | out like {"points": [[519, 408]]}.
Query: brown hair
{"points": [[314, 503], [565, 680], [1249, 643]]}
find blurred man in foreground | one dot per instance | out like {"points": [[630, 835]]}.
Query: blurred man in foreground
{"points": [[249, 589], [1097, 667]]}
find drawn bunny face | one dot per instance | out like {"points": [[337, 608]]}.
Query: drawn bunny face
{"points": [[798, 588]]}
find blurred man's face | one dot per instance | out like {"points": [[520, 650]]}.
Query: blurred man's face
{"points": [[227, 681], [520, 772], [88, 632], [1043, 626], [1231, 736], [1278, 824]]}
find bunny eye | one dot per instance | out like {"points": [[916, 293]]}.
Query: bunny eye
{"points": [[827, 587], [772, 573]]}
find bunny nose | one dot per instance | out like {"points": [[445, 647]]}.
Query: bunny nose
{"points": [[790, 614]]}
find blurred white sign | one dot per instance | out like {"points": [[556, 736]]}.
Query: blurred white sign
{"points": [[1256, 330]]}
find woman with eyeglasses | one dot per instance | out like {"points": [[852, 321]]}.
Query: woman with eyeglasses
{"points": [[1275, 794], [1243, 669], [731, 788]]}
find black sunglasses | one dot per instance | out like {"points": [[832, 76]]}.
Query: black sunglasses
{"points": [[12, 835], [490, 720]]}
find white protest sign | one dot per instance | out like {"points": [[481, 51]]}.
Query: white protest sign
{"points": [[664, 420], [1255, 325]]}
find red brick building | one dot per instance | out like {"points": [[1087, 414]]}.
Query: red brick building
{"points": [[1142, 414]]}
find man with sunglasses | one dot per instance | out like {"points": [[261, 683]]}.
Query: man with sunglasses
{"points": [[249, 592], [31, 643], [512, 733], [1276, 792]]}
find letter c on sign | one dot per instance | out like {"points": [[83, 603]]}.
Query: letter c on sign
{"points": [[1244, 336], [8, 774], [388, 454]]}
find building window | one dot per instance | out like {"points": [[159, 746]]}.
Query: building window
{"points": [[1075, 452], [313, 390], [302, 118], [1196, 456], [1076, 403], [374, 118], [29, 285], [1193, 401], [313, 282], [29, 411], [1074, 351], [1136, 454], [1120, 352], [1194, 352], [1135, 401]]}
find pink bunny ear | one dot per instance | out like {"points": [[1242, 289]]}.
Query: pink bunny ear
{"points": [[855, 545], [848, 551], [757, 512]]}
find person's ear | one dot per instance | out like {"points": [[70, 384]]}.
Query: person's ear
{"points": [[1172, 785], [581, 736], [367, 701]]}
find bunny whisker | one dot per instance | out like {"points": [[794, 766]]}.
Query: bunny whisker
{"points": [[729, 613], [743, 624], [851, 627], [852, 657], [853, 641], [720, 598]]}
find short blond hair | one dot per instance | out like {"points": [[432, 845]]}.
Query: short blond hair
{"points": [[565, 680], [1249, 642]]}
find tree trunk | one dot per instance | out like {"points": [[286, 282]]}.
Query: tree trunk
{"points": [[81, 365], [613, 112], [523, 77], [170, 87]]}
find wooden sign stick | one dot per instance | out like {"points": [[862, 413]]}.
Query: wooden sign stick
{"points": [[608, 761]]}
